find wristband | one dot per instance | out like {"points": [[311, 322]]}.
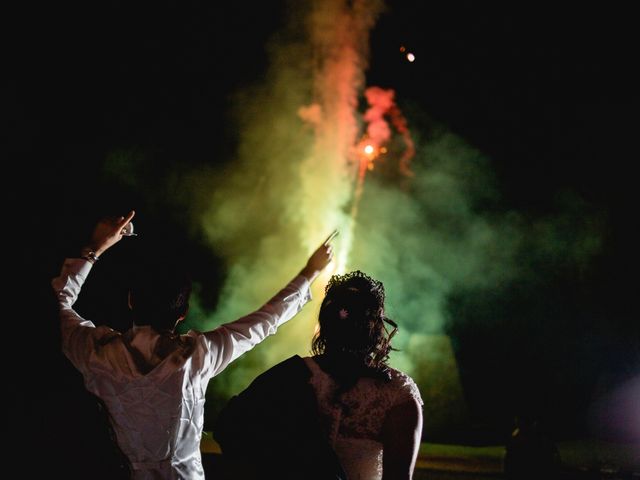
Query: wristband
{"points": [[89, 254]]}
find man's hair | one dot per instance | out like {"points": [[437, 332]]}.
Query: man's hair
{"points": [[159, 295]]}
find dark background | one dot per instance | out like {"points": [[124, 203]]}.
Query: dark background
{"points": [[549, 93]]}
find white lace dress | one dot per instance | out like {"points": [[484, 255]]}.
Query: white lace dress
{"points": [[355, 424]]}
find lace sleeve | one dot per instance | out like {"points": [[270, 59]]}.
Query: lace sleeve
{"points": [[405, 389]]}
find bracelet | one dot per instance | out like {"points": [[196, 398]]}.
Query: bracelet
{"points": [[89, 255]]}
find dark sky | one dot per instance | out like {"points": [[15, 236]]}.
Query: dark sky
{"points": [[548, 93]]}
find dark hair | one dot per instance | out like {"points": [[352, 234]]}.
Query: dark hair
{"points": [[352, 339], [159, 295]]}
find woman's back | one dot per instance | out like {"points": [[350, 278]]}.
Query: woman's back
{"points": [[355, 420]]}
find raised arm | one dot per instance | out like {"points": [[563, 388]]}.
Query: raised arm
{"points": [[76, 331], [227, 342]]}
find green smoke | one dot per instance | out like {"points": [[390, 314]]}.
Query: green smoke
{"points": [[291, 182]]}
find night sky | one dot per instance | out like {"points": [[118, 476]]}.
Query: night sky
{"points": [[548, 94]]}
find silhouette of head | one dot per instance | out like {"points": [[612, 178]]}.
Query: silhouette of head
{"points": [[159, 296], [352, 321]]}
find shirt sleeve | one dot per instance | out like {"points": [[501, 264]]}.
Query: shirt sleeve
{"points": [[78, 334], [230, 340]]}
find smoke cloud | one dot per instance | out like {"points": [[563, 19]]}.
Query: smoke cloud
{"points": [[293, 179]]}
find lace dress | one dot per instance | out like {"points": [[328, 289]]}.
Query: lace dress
{"points": [[355, 423]]}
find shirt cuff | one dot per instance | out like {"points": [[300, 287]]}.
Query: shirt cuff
{"points": [[303, 285], [78, 266]]}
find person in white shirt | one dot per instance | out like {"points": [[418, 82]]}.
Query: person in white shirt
{"points": [[151, 380]]}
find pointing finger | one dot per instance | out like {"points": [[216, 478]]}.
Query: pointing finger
{"points": [[126, 220], [330, 237]]}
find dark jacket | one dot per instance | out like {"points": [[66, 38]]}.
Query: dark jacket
{"points": [[272, 429]]}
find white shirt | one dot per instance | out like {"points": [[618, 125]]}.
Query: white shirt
{"points": [[154, 385]]}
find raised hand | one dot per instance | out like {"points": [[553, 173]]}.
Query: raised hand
{"points": [[319, 259], [108, 232]]}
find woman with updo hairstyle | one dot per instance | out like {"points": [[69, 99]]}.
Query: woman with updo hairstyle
{"points": [[341, 414], [371, 413]]}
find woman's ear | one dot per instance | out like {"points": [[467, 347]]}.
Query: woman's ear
{"points": [[129, 300]]}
